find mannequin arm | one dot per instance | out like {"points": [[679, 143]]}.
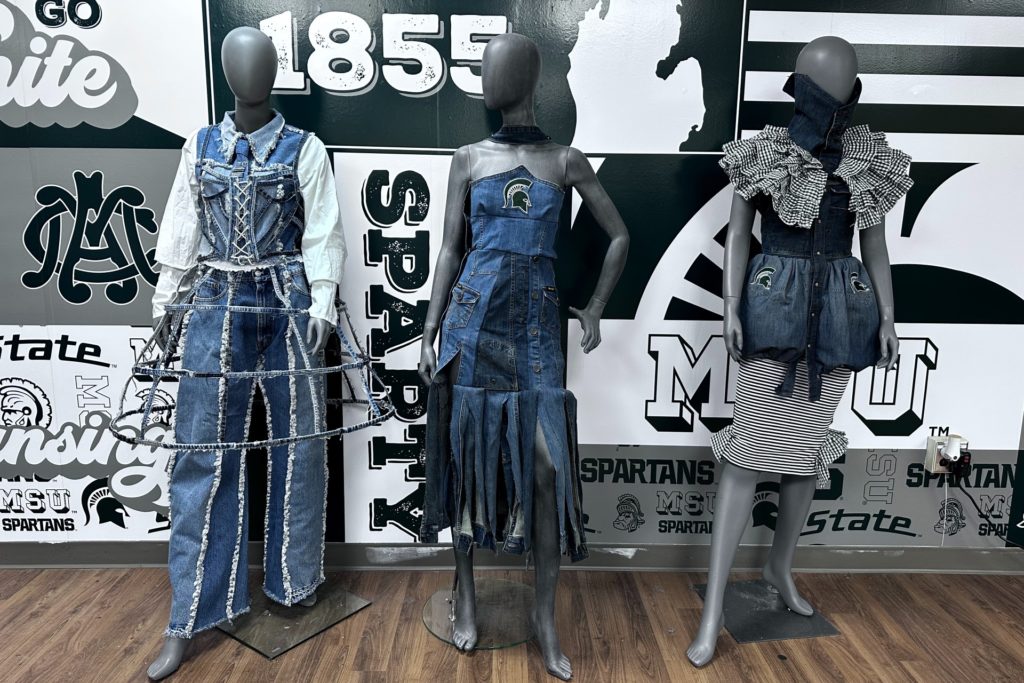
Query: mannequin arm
{"points": [[581, 177], [737, 253], [875, 255], [449, 260]]}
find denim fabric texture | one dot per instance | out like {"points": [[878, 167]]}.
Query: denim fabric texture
{"points": [[503, 325], [806, 295], [241, 329]]}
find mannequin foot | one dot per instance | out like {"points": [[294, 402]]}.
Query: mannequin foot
{"points": [[169, 659], [783, 582], [702, 649], [309, 600], [555, 661], [464, 629]]}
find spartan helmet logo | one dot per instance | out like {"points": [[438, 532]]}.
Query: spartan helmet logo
{"points": [[763, 277], [857, 285], [630, 516], [23, 404], [517, 194], [951, 517], [97, 498], [161, 399]]}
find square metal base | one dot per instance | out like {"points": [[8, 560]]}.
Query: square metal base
{"points": [[272, 629], [755, 613]]}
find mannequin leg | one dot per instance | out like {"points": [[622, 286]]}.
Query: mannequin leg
{"points": [[464, 633], [547, 560], [794, 501], [169, 659], [732, 511]]}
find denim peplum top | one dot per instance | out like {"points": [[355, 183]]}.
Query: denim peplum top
{"points": [[806, 296]]}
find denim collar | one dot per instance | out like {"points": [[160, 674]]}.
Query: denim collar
{"points": [[520, 134], [813, 118], [261, 142]]}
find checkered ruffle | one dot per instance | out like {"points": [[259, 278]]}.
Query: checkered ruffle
{"points": [[772, 164]]}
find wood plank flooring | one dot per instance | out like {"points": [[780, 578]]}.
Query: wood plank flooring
{"points": [[105, 625]]}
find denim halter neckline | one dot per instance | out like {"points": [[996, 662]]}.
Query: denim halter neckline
{"points": [[820, 120], [520, 135]]}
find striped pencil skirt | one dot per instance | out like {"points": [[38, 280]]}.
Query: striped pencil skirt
{"points": [[787, 435]]}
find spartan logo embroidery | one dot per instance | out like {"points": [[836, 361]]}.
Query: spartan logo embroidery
{"points": [[23, 404], [517, 194], [93, 240], [857, 285], [763, 277], [630, 515]]}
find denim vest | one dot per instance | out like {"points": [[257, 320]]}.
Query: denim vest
{"points": [[250, 204], [806, 296]]}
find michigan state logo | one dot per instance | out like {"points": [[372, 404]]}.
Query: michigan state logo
{"points": [[517, 194], [763, 277], [23, 404], [857, 285]]}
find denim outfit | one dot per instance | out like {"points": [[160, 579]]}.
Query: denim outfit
{"points": [[242, 325], [808, 310], [503, 325], [806, 297]]}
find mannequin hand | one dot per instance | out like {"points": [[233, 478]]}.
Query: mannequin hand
{"points": [[161, 330], [733, 329], [590, 320], [317, 332], [428, 362], [890, 345]]}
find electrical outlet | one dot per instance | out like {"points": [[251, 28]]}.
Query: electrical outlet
{"points": [[934, 461]]}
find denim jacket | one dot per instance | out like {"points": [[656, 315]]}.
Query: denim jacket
{"points": [[806, 296]]}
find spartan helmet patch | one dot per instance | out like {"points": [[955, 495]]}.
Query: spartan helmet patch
{"points": [[517, 194], [857, 285], [763, 277]]}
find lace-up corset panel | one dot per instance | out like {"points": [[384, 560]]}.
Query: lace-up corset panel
{"points": [[250, 207]]}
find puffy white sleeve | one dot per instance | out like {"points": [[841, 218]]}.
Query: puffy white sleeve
{"points": [[177, 242], [323, 241]]}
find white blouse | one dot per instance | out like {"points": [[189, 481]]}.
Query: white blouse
{"points": [[323, 242]]}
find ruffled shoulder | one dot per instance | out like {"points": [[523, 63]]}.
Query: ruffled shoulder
{"points": [[771, 163], [877, 174]]}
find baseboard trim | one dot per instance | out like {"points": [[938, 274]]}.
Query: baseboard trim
{"points": [[363, 556]]}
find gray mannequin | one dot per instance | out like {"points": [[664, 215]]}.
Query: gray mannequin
{"points": [[831, 63], [510, 72], [249, 59]]}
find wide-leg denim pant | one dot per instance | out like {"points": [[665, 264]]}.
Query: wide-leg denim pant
{"points": [[245, 321]]}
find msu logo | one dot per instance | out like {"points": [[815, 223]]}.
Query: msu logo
{"points": [[517, 194], [23, 404], [630, 515], [74, 238]]}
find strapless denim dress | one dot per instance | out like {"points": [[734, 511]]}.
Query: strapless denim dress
{"points": [[503, 325]]}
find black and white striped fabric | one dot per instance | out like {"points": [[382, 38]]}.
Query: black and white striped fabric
{"points": [[786, 435]]}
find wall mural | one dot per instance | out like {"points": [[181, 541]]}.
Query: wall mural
{"points": [[92, 118]]}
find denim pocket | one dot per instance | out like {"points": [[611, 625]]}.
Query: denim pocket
{"points": [[209, 288], [277, 189], [460, 310], [549, 313], [295, 274]]}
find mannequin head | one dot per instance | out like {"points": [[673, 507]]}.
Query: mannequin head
{"points": [[510, 71], [250, 65], [831, 63]]}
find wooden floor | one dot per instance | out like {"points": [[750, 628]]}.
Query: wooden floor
{"points": [[106, 625]]}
